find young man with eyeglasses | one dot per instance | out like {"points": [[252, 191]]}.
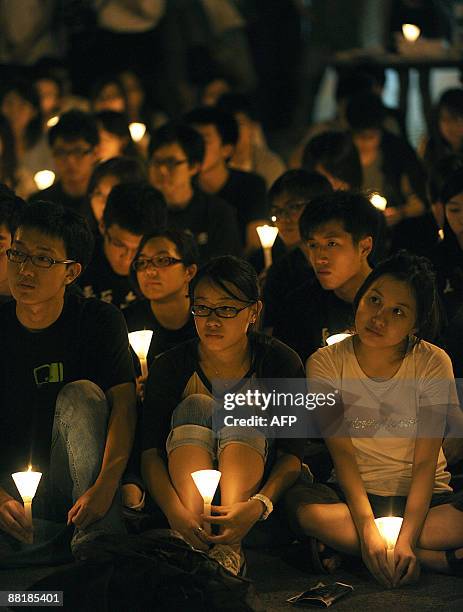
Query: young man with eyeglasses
{"points": [[67, 391], [132, 210], [176, 154], [10, 209], [73, 142]]}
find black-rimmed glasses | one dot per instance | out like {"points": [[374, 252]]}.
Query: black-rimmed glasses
{"points": [[223, 312], [40, 261], [158, 261]]}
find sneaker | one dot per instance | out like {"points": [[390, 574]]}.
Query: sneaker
{"points": [[228, 558]]}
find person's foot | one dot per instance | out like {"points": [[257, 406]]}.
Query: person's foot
{"points": [[324, 559], [454, 560], [229, 558]]}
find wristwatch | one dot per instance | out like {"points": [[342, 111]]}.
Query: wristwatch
{"points": [[267, 503]]}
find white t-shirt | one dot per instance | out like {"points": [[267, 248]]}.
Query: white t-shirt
{"points": [[390, 412]]}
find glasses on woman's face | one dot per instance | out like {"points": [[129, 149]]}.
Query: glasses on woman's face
{"points": [[223, 312], [158, 261], [291, 211]]}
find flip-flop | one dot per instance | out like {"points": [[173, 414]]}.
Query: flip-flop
{"points": [[317, 557], [455, 565]]}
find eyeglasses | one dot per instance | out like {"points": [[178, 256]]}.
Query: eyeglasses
{"points": [[158, 261], [289, 212], [168, 162], [77, 153], [223, 312], [40, 261], [117, 244]]}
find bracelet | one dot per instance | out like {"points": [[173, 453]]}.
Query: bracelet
{"points": [[267, 503]]}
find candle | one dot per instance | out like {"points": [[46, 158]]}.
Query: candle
{"points": [[378, 201], [206, 482], [336, 338], [137, 131], [267, 236], [389, 528], [441, 234], [44, 179], [140, 342], [411, 32], [27, 483]]}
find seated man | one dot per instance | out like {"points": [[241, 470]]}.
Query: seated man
{"points": [[340, 231], [73, 142], [66, 383], [176, 153], [245, 191], [132, 209], [10, 209]]}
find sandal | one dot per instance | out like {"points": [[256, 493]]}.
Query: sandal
{"points": [[229, 559], [317, 557], [455, 564]]}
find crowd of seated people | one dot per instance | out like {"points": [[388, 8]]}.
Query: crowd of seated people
{"points": [[161, 235]]}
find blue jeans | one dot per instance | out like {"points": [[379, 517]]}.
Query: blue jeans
{"points": [[191, 424], [78, 441]]}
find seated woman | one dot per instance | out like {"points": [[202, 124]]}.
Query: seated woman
{"points": [[115, 138], [165, 264], [178, 414], [389, 380], [446, 135]]}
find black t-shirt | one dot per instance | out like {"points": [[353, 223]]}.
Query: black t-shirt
{"points": [[283, 277], [447, 258], [247, 193], [88, 341], [212, 222], [177, 374], [140, 316], [312, 314], [56, 194], [99, 280]]}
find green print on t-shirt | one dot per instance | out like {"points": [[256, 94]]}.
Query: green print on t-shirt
{"points": [[48, 373]]}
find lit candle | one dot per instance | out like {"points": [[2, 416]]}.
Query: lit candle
{"points": [[389, 529], [206, 482], [411, 32], [267, 236], [378, 201], [336, 338], [441, 234], [140, 342], [44, 179], [137, 131], [27, 483], [52, 121]]}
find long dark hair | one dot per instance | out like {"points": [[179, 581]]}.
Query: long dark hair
{"points": [[8, 161]]}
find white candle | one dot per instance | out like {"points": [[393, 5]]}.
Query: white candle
{"points": [[389, 528], [206, 482], [52, 121], [137, 131], [411, 32], [267, 237], [27, 483], [44, 179], [140, 342]]}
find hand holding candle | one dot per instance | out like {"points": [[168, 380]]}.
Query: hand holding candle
{"points": [[389, 529], [206, 482], [27, 483], [267, 236], [140, 342]]}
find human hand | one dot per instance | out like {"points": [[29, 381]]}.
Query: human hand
{"points": [[189, 526], [374, 555], [235, 521], [91, 506], [13, 520], [407, 566]]}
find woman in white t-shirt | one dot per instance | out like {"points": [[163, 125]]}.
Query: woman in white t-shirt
{"points": [[398, 396]]}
